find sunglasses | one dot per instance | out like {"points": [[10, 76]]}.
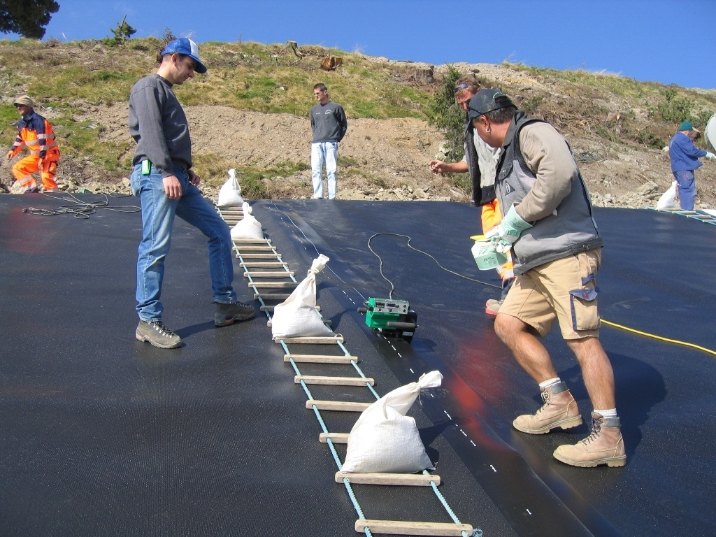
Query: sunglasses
{"points": [[461, 86]]}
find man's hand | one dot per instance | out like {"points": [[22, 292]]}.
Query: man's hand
{"points": [[710, 155], [437, 166], [506, 233], [172, 187], [194, 179], [9, 155]]}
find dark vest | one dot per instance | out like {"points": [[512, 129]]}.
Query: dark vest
{"points": [[570, 229]]}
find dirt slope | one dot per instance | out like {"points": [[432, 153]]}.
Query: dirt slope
{"points": [[388, 159]]}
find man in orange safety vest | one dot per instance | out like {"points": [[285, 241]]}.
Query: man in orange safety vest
{"points": [[35, 133]]}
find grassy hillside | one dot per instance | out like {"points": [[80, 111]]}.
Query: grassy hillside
{"points": [[70, 78]]}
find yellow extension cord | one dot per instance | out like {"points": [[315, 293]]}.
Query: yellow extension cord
{"points": [[660, 338]]}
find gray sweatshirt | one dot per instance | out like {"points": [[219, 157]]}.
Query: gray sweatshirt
{"points": [[328, 122], [158, 124]]}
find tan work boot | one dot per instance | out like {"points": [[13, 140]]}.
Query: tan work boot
{"points": [[604, 446], [559, 410]]}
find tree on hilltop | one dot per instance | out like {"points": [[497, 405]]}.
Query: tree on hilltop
{"points": [[26, 17]]}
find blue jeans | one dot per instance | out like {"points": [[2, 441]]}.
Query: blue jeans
{"points": [[324, 152], [157, 220], [687, 188]]}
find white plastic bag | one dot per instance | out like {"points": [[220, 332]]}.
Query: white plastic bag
{"points": [[297, 316], [230, 192], [248, 227], [670, 198], [384, 439]]}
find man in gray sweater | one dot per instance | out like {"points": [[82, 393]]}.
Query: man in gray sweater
{"points": [[329, 125], [163, 179]]}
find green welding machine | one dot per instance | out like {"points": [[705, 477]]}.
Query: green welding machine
{"points": [[390, 317]]}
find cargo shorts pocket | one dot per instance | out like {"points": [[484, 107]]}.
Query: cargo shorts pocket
{"points": [[583, 304]]}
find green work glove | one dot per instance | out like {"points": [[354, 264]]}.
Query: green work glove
{"points": [[508, 231]]}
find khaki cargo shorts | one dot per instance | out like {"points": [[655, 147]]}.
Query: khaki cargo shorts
{"points": [[564, 289]]}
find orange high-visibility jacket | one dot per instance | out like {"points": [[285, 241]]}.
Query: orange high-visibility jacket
{"points": [[35, 132]]}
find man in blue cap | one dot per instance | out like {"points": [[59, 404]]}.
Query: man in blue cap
{"points": [[163, 179], [684, 157]]}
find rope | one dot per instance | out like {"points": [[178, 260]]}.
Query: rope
{"points": [[81, 209]]}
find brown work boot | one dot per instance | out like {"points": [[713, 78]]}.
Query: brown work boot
{"points": [[559, 410], [157, 334], [604, 446], [227, 314]]}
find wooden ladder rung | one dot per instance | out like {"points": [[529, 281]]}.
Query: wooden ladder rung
{"points": [[336, 438], [262, 264], [319, 358], [400, 527], [255, 247], [273, 285], [334, 381], [312, 340], [340, 406], [272, 296], [251, 255], [268, 274], [375, 478], [251, 241]]}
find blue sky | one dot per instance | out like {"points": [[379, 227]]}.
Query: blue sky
{"points": [[668, 41]]}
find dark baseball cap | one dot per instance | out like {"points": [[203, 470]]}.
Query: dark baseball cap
{"points": [[186, 47], [487, 100]]}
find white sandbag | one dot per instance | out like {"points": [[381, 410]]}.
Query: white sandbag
{"points": [[384, 439], [669, 199], [297, 316], [710, 132], [248, 227], [230, 192]]}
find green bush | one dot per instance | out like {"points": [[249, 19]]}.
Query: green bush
{"points": [[444, 114]]}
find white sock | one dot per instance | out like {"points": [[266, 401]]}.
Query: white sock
{"points": [[549, 382], [611, 413]]}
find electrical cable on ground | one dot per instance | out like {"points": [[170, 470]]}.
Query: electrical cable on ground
{"points": [[81, 209], [392, 287], [659, 338]]}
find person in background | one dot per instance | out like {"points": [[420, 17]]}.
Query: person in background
{"points": [[37, 134], [556, 247], [483, 180], [684, 156], [329, 126], [163, 179]]}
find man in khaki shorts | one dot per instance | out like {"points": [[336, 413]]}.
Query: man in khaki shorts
{"points": [[556, 249]]}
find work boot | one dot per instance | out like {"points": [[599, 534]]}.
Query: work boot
{"points": [[604, 446], [492, 306], [559, 410], [157, 334], [227, 314]]}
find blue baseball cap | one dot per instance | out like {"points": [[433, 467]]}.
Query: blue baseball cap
{"points": [[687, 126], [187, 47]]}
